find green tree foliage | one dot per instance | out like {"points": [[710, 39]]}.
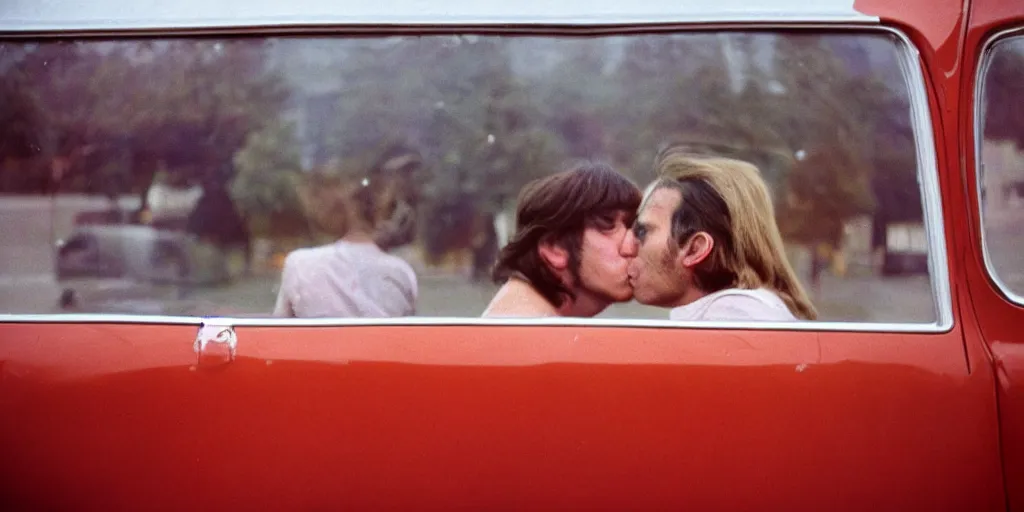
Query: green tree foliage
{"points": [[484, 114], [456, 98], [577, 92], [45, 106], [264, 187], [824, 190], [668, 87], [864, 123], [18, 113], [1004, 88], [124, 108], [19, 140], [459, 101], [205, 98]]}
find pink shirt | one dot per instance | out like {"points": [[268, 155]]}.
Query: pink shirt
{"points": [[346, 279], [735, 304]]}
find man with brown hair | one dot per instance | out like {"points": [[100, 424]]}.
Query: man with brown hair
{"points": [[563, 259]]}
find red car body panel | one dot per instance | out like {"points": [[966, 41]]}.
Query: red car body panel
{"points": [[525, 416], [1000, 321]]}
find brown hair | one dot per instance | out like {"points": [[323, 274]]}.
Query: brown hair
{"points": [[557, 209], [337, 205], [729, 200]]}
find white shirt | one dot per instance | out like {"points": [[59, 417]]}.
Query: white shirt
{"points": [[735, 304], [346, 279], [165, 201]]}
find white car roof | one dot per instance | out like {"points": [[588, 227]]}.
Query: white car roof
{"points": [[50, 15]]}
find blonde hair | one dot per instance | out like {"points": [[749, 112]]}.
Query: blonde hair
{"points": [[754, 256]]}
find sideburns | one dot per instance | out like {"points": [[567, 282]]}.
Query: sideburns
{"points": [[669, 256]]}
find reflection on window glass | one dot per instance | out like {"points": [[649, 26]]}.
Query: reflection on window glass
{"points": [[1001, 162], [380, 176]]}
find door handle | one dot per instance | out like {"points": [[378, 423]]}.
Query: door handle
{"points": [[216, 344]]}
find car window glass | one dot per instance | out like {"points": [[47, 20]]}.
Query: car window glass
{"points": [[1001, 162], [205, 163]]}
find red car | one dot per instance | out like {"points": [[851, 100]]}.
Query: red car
{"points": [[906, 395]]}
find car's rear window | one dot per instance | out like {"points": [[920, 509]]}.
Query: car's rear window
{"points": [[1001, 162], [208, 161]]}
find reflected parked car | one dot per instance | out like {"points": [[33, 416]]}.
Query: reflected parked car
{"points": [[135, 254]]}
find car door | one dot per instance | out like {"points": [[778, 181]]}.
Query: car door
{"points": [[208, 402], [991, 128]]}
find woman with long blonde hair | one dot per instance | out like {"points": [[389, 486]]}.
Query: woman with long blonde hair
{"points": [[706, 243]]}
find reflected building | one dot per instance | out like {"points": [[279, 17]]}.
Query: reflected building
{"points": [[1002, 182]]}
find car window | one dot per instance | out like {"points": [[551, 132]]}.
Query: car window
{"points": [[211, 163], [1001, 162]]}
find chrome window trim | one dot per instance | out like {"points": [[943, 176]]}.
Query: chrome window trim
{"points": [[439, 321], [980, 77], [102, 15], [928, 182]]}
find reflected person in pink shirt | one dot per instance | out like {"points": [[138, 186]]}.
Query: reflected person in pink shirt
{"points": [[351, 277]]}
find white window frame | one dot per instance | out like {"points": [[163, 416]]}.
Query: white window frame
{"points": [[927, 173]]}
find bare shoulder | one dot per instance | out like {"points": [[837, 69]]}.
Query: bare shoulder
{"points": [[515, 299]]}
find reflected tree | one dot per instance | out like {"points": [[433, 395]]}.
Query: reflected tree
{"points": [[1004, 86], [266, 179], [484, 115], [114, 112]]}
